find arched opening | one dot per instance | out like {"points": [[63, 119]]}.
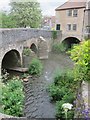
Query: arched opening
{"points": [[70, 41], [11, 59], [33, 48]]}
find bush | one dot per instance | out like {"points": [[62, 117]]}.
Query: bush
{"points": [[26, 51], [59, 110], [80, 54], [56, 92], [13, 97], [63, 91], [64, 78], [35, 68], [69, 98], [58, 47]]}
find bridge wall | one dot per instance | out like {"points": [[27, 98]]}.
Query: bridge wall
{"points": [[8, 36], [17, 38]]}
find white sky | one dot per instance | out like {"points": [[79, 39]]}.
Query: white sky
{"points": [[47, 6]]}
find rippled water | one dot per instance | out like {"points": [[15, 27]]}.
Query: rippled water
{"points": [[37, 100]]}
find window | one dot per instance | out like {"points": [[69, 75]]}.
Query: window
{"points": [[75, 13], [74, 27], [69, 12], [58, 27], [68, 27], [88, 29]]}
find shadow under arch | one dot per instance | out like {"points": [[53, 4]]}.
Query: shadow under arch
{"points": [[11, 59], [70, 41], [33, 47]]}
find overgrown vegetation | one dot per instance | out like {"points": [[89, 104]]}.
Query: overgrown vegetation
{"points": [[26, 51], [35, 67], [80, 54], [63, 91], [13, 97], [66, 83], [54, 34], [58, 48]]}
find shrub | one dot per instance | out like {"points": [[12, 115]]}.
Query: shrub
{"points": [[59, 110], [58, 47], [80, 54], [57, 93], [64, 78], [13, 97], [63, 91], [35, 68], [26, 51], [69, 98]]}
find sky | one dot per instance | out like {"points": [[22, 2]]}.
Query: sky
{"points": [[47, 6]]}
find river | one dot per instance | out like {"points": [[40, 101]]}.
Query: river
{"points": [[37, 100]]}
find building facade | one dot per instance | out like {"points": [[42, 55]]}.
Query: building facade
{"points": [[72, 18]]}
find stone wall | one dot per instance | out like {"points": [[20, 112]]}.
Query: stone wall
{"points": [[8, 36]]}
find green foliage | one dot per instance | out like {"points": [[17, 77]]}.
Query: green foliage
{"points": [[63, 91], [13, 97], [58, 47], [54, 34], [59, 111], [57, 93], [80, 54], [27, 13], [6, 20], [64, 78], [26, 51], [35, 68], [70, 97]]}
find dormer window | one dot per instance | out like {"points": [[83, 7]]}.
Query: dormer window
{"points": [[75, 13]]}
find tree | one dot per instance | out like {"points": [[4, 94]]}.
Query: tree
{"points": [[26, 13], [6, 20]]}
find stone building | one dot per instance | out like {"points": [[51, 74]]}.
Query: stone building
{"points": [[72, 18]]}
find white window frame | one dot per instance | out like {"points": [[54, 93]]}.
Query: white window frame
{"points": [[75, 12], [69, 12], [74, 27], [69, 27]]}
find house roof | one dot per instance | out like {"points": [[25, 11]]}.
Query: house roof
{"points": [[72, 4]]}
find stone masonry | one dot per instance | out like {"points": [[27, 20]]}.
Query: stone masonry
{"points": [[18, 38]]}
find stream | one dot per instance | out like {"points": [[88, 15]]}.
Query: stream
{"points": [[37, 100]]}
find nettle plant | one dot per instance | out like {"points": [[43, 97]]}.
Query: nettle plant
{"points": [[80, 54]]}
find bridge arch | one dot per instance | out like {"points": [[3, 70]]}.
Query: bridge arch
{"points": [[12, 58], [33, 47], [70, 41]]}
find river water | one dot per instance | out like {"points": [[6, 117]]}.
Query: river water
{"points": [[37, 100]]}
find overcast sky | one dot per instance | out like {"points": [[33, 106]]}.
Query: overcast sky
{"points": [[47, 6]]}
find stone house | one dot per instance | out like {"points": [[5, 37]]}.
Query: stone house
{"points": [[72, 18]]}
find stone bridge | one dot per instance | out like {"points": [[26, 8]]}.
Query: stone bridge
{"points": [[13, 41]]}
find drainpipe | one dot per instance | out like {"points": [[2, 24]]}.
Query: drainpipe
{"points": [[83, 26], [87, 22]]}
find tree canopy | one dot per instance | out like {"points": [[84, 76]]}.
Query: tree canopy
{"points": [[23, 13], [6, 20], [26, 13]]}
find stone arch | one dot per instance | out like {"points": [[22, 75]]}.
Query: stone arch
{"points": [[70, 41], [33, 47], [12, 58]]}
